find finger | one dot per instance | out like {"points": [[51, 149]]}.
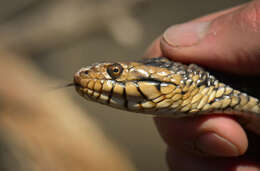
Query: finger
{"points": [[183, 161], [154, 49], [207, 135], [217, 14], [229, 42]]}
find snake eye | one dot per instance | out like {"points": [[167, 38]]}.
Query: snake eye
{"points": [[84, 74], [114, 70]]}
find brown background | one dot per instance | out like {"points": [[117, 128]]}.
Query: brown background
{"points": [[62, 36]]}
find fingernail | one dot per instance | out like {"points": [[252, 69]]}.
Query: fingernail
{"points": [[213, 144], [187, 34]]}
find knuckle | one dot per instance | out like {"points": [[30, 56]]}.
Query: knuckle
{"points": [[249, 17]]}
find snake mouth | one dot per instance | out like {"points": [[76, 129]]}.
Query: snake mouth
{"points": [[78, 87]]}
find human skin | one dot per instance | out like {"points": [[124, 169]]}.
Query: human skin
{"points": [[229, 41]]}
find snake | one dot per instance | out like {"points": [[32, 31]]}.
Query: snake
{"points": [[165, 88]]}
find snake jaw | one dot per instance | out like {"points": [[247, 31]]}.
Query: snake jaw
{"points": [[78, 82]]}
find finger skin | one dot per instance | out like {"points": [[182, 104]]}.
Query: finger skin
{"points": [[217, 14], [230, 43], [184, 132], [154, 50], [179, 135], [183, 161]]}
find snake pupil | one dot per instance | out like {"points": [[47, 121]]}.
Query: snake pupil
{"points": [[114, 70]]}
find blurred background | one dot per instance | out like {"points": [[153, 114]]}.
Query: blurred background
{"points": [[42, 44]]}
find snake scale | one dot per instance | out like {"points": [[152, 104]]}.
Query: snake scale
{"points": [[162, 87]]}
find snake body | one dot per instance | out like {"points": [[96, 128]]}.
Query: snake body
{"points": [[162, 87]]}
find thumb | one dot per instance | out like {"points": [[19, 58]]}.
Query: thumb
{"points": [[229, 42]]}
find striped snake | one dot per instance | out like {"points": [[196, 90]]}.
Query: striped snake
{"points": [[162, 87]]}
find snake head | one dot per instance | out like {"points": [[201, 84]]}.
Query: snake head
{"points": [[101, 82], [132, 86]]}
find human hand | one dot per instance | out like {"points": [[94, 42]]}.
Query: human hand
{"points": [[228, 41]]}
